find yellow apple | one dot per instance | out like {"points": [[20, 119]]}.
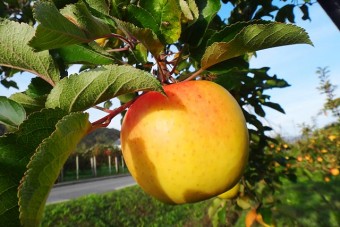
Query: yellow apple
{"points": [[231, 193], [334, 171], [332, 137], [188, 146]]}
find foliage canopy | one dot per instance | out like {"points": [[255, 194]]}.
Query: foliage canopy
{"points": [[124, 47]]}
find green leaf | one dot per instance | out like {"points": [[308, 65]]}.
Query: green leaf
{"points": [[16, 150], [81, 16], [267, 214], [38, 88], [9, 83], [101, 6], [108, 104], [54, 30], [275, 83], [189, 10], [29, 103], [80, 92], [12, 114], [194, 9], [167, 15], [117, 7], [207, 11], [34, 98], [222, 213], [304, 9], [146, 36], [140, 53], [252, 38], [229, 32], [78, 53], [258, 109], [187, 13], [15, 52], [286, 12], [243, 202], [142, 18], [45, 165], [229, 65], [265, 10], [127, 97], [274, 106]]}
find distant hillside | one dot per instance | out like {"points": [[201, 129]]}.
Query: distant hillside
{"points": [[103, 136]]}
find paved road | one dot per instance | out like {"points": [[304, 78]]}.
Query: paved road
{"points": [[72, 191]]}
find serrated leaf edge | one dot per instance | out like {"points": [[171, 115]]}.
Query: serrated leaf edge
{"points": [[128, 33], [28, 167], [261, 25], [109, 68]]}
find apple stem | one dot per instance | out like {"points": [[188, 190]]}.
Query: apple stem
{"points": [[195, 74]]}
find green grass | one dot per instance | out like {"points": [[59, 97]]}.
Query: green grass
{"points": [[126, 207], [308, 203]]}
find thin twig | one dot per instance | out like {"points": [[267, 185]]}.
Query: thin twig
{"points": [[131, 44], [105, 121], [127, 47], [173, 80], [103, 109], [176, 63], [161, 74], [195, 74]]}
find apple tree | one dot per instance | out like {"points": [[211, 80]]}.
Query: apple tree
{"points": [[126, 49]]}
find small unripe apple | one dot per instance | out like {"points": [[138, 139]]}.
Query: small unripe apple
{"points": [[231, 193], [187, 146]]}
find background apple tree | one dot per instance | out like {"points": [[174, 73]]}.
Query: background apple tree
{"points": [[125, 48]]}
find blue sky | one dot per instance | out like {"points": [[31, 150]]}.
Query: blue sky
{"points": [[297, 64]]}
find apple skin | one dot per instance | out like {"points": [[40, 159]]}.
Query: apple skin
{"points": [[188, 146], [231, 193]]}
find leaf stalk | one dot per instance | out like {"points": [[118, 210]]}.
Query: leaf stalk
{"points": [[105, 121]]}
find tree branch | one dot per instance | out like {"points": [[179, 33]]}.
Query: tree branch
{"points": [[194, 75], [105, 121]]}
